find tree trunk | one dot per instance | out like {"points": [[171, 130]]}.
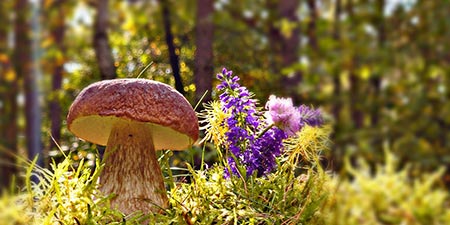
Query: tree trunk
{"points": [[312, 36], [8, 103], [290, 46], [203, 72], [26, 68], [336, 79], [337, 153], [355, 107], [375, 80], [101, 43], [173, 57], [57, 31]]}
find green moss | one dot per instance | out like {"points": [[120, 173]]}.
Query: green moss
{"points": [[387, 196], [298, 192]]}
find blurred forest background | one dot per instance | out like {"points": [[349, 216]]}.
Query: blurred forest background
{"points": [[378, 69]]}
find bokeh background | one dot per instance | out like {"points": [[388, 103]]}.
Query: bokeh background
{"points": [[378, 69]]}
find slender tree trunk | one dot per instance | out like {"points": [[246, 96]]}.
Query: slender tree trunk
{"points": [[57, 31], [32, 103], [274, 35], [103, 52], [102, 48], [290, 46], [26, 68], [355, 107], [336, 79], [337, 152], [285, 48], [173, 57], [312, 36], [8, 104], [375, 80], [203, 72]]}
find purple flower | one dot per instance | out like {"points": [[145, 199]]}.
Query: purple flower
{"points": [[243, 122], [267, 148], [312, 117], [246, 148], [253, 152], [282, 113]]}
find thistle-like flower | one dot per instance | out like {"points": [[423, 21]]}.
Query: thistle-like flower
{"points": [[282, 113]]}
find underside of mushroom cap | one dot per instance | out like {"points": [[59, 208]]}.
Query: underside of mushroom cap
{"points": [[166, 111]]}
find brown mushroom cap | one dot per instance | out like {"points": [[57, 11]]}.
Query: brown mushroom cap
{"points": [[171, 118]]}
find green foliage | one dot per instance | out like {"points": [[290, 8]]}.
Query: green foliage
{"points": [[298, 192], [210, 198], [14, 209], [405, 48], [387, 196], [409, 56], [63, 195], [284, 196], [69, 195]]}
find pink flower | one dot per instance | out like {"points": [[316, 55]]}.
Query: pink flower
{"points": [[282, 113]]}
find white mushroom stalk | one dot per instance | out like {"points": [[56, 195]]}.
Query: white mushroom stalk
{"points": [[133, 118], [132, 169]]}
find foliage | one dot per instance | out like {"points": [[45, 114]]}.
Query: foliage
{"points": [[248, 139], [291, 193], [278, 198], [297, 190], [387, 196], [395, 54], [387, 63], [244, 187], [68, 196], [63, 195]]}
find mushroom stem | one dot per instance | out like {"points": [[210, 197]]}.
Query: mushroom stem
{"points": [[132, 170]]}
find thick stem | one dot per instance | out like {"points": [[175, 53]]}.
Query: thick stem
{"points": [[132, 171]]}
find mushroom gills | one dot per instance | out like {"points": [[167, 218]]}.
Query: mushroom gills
{"points": [[96, 129]]}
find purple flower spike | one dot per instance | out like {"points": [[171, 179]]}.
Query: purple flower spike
{"points": [[246, 147], [249, 150]]}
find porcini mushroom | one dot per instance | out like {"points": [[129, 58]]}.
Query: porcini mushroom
{"points": [[133, 118]]}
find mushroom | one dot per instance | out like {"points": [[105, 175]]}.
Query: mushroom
{"points": [[133, 118]]}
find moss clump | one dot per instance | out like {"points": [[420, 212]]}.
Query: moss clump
{"points": [[298, 192], [63, 195], [293, 194], [387, 196]]}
